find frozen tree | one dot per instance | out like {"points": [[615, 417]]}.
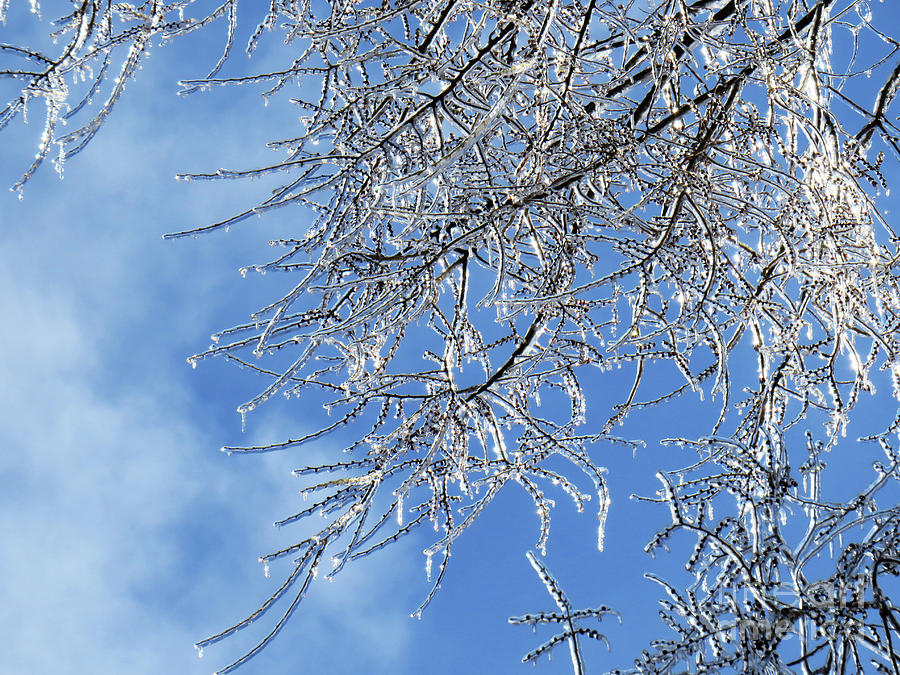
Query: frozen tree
{"points": [[504, 193]]}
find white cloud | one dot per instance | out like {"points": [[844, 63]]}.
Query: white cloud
{"points": [[93, 485], [124, 532], [126, 535]]}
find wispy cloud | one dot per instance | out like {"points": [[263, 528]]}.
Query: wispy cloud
{"points": [[125, 535]]}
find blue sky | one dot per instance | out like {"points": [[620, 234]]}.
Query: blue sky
{"points": [[126, 534]]}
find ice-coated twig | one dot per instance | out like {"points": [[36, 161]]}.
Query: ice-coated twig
{"points": [[566, 617]]}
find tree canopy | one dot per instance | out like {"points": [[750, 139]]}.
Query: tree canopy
{"points": [[499, 196]]}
